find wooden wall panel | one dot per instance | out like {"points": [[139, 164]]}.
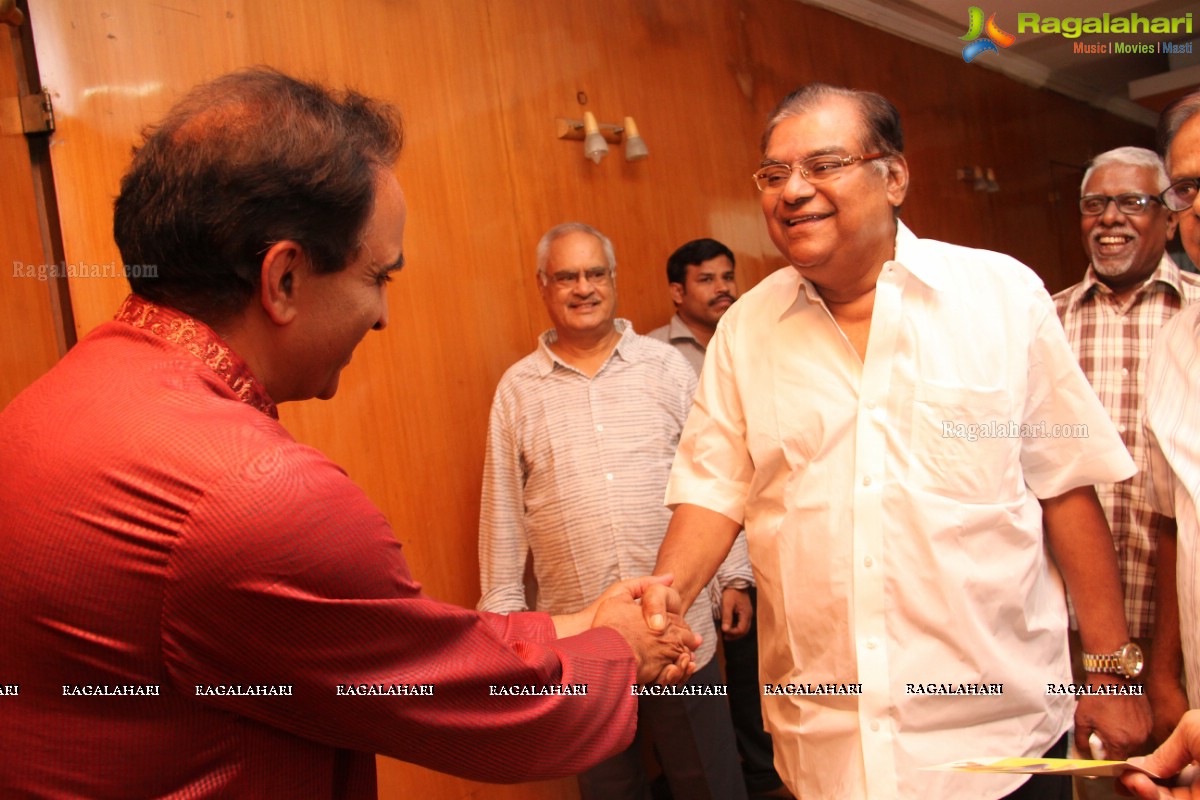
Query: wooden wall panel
{"points": [[28, 340], [678, 69], [480, 83]]}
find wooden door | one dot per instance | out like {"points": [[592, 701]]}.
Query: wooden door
{"points": [[32, 335]]}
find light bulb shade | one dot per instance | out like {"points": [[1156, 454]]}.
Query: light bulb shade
{"points": [[635, 149], [635, 145], [594, 146]]}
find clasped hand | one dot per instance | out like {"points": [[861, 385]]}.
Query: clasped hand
{"points": [[664, 655]]}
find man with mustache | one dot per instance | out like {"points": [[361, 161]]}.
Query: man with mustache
{"points": [[703, 287], [580, 442], [1130, 290]]}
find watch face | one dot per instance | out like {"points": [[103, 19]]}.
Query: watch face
{"points": [[1131, 660]]}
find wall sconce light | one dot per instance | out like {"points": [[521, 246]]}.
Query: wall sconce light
{"points": [[635, 146], [982, 179], [594, 146], [596, 136]]}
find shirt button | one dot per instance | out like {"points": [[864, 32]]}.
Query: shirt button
{"points": [[599, 427], [608, 476], [866, 480], [1124, 371], [874, 725], [872, 643], [1121, 428], [871, 404], [868, 562]]}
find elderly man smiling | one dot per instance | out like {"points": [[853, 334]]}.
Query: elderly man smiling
{"points": [[887, 553], [1130, 290]]}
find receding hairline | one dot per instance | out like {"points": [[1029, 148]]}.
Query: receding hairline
{"points": [[1193, 120], [565, 229], [1178, 113], [880, 124], [816, 104]]}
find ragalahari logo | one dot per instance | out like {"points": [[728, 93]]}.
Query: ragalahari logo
{"points": [[983, 38]]}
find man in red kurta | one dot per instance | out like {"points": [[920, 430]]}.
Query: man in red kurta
{"points": [[196, 605]]}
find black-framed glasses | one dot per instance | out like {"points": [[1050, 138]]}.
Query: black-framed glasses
{"points": [[815, 169], [1133, 203], [596, 276], [1181, 194]]}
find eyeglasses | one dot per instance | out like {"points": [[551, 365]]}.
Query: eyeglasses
{"points": [[1093, 205], [1181, 194], [816, 169], [596, 276]]}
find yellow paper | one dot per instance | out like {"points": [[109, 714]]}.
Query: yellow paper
{"points": [[1043, 766]]}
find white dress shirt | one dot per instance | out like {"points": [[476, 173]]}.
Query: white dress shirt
{"points": [[1173, 434], [894, 541]]}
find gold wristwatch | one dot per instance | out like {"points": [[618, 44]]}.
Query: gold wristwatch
{"points": [[1127, 661]]}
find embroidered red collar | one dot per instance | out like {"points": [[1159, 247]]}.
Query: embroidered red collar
{"points": [[201, 341]]}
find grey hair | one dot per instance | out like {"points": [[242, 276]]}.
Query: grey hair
{"points": [[1132, 157], [559, 231], [1172, 119], [881, 120]]}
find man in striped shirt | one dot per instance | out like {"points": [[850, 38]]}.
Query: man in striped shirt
{"points": [[580, 443], [1129, 291]]}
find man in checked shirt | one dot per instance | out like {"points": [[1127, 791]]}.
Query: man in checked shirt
{"points": [[580, 441], [1129, 291]]}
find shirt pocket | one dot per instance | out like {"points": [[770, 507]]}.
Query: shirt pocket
{"points": [[966, 441]]}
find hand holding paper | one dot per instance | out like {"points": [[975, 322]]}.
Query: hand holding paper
{"points": [[1176, 756]]}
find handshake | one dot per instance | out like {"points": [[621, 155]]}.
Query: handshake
{"points": [[664, 653]]}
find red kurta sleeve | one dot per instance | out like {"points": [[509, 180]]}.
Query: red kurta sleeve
{"points": [[287, 574]]}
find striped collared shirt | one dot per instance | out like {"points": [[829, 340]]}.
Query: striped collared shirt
{"points": [[575, 474]]}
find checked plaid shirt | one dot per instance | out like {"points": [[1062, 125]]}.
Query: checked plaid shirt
{"points": [[1113, 343]]}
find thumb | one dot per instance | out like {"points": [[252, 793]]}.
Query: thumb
{"points": [[727, 610], [657, 601], [1174, 754]]}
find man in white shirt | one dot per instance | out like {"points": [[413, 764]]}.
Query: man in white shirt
{"points": [[1172, 427], [894, 420]]}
